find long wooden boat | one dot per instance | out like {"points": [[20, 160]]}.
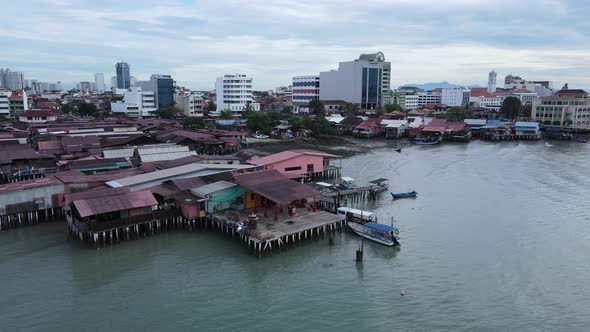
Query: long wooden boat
{"points": [[386, 235]]}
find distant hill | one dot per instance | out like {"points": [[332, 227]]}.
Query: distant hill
{"points": [[431, 86]]}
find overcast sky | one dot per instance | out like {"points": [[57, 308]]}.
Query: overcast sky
{"points": [[459, 41]]}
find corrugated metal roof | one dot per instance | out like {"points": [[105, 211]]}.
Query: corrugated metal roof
{"points": [[23, 185], [275, 186], [174, 172], [118, 153], [166, 155], [161, 148], [212, 187], [98, 205]]}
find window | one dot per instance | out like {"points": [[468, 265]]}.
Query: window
{"points": [[310, 168], [289, 169]]}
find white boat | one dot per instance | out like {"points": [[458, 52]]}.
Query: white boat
{"points": [[386, 235], [357, 215]]}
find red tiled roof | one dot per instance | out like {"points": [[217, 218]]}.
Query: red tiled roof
{"points": [[437, 125], [39, 113], [49, 145], [570, 92], [456, 126], [275, 186], [16, 94], [98, 205], [371, 122]]}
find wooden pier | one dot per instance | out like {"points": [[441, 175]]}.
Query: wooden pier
{"points": [[32, 217], [331, 201], [271, 236]]}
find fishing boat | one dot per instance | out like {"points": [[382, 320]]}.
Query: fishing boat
{"points": [[581, 139], [387, 235], [428, 140], [398, 150], [356, 215], [411, 194]]}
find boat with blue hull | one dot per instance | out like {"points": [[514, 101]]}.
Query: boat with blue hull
{"points": [[428, 140], [410, 194], [386, 235]]}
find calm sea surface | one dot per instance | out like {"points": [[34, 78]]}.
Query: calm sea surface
{"points": [[499, 239]]}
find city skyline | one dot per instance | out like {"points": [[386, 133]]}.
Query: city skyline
{"points": [[458, 41]]}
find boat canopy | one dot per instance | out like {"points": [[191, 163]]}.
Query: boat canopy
{"points": [[356, 212], [380, 227], [379, 180], [347, 179], [324, 184]]}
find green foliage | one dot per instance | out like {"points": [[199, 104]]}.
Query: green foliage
{"points": [[66, 108], [260, 121], [458, 114], [226, 114], [287, 109], [260, 94], [318, 125], [167, 113], [88, 109], [211, 107], [511, 107], [390, 108], [296, 121], [193, 123], [316, 108], [526, 111], [348, 108], [248, 107]]}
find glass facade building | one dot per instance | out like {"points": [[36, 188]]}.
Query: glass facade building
{"points": [[123, 75]]}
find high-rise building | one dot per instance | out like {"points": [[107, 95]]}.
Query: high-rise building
{"points": [[99, 82], [492, 81], [12, 80], [163, 86], [234, 93], [123, 75], [305, 89], [113, 83], [455, 97], [85, 87], [361, 82]]}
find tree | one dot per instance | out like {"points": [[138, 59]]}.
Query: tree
{"points": [[260, 94], [66, 108], [211, 107], [258, 121], [167, 113], [390, 108], [457, 114], [318, 125], [348, 108], [226, 114], [510, 107], [88, 109], [193, 123], [287, 109], [316, 107], [527, 110]]}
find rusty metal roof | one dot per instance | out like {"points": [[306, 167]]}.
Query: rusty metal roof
{"points": [[275, 186], [130, 200]]}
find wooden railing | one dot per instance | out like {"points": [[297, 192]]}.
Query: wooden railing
{"points": [[103, 225]]}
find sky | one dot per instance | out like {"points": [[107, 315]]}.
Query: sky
{"points": [[458, 41]]}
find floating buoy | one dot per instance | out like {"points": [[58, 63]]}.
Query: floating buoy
{"points": [[402, 293]]}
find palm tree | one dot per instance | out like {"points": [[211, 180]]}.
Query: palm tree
{"points": [[226, 114]]}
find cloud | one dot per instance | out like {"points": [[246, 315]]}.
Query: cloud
{"points": [[426, 40]]}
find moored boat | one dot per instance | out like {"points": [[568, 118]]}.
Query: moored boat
{"points": [[386, 235], [428, 140], [410, 194], [356, 215]]}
